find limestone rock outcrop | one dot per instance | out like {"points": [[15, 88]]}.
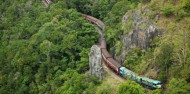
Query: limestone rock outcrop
{"points": [[96, 62]]}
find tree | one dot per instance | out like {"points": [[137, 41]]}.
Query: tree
{"points": [[163, 57], [76, 83], [178, 86], [45, 48], [130, 87]]}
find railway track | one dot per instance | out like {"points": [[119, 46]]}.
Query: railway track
{"points": [[115, 68], [114, 65]]}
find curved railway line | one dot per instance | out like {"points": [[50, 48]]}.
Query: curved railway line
{"points": [[113, 64]]}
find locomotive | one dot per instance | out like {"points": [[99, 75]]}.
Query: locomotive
{"points": [[115, 65]]}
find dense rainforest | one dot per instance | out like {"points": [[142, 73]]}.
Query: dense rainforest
{"points": [[45, 49]]}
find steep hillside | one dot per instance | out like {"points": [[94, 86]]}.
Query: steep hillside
{"points": [[45, 49], [154, 41]]}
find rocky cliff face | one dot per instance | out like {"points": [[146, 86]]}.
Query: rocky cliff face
{"points": [[138, 30], [141, 31], [95, 62]]}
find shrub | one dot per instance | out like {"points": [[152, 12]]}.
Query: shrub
{"points": [[154, 4], [186, 5], [178, 86], [167, 10], [130, 87], [182, 10]]}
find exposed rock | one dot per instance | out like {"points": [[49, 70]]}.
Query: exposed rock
{"points": [[142, 30], [139, 38], [95, 62], [138, 29]]}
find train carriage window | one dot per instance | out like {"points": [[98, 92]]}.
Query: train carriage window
{"points": [[160, 83], [140, 79]]}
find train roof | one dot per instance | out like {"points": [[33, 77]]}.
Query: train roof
{"points": [[150, 80], [105, 53], [127, 70], [103, 43], [114, 62]]}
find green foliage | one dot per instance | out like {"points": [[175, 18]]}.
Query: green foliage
{"points": [[154, 42], [182, 10], [113, 20], [157, 91], [100, 8], [186, 5], [154, 5], [130, 87], [76, 83], [106, 89], [178, 8], [119, 46], [143, 1], [178, 86], [39, 43], [129, 26], [81, 5], [164, 59], [133, 58], [167, 10], [45, 49]]}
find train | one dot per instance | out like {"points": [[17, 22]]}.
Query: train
{"points": [[115, 65]]}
